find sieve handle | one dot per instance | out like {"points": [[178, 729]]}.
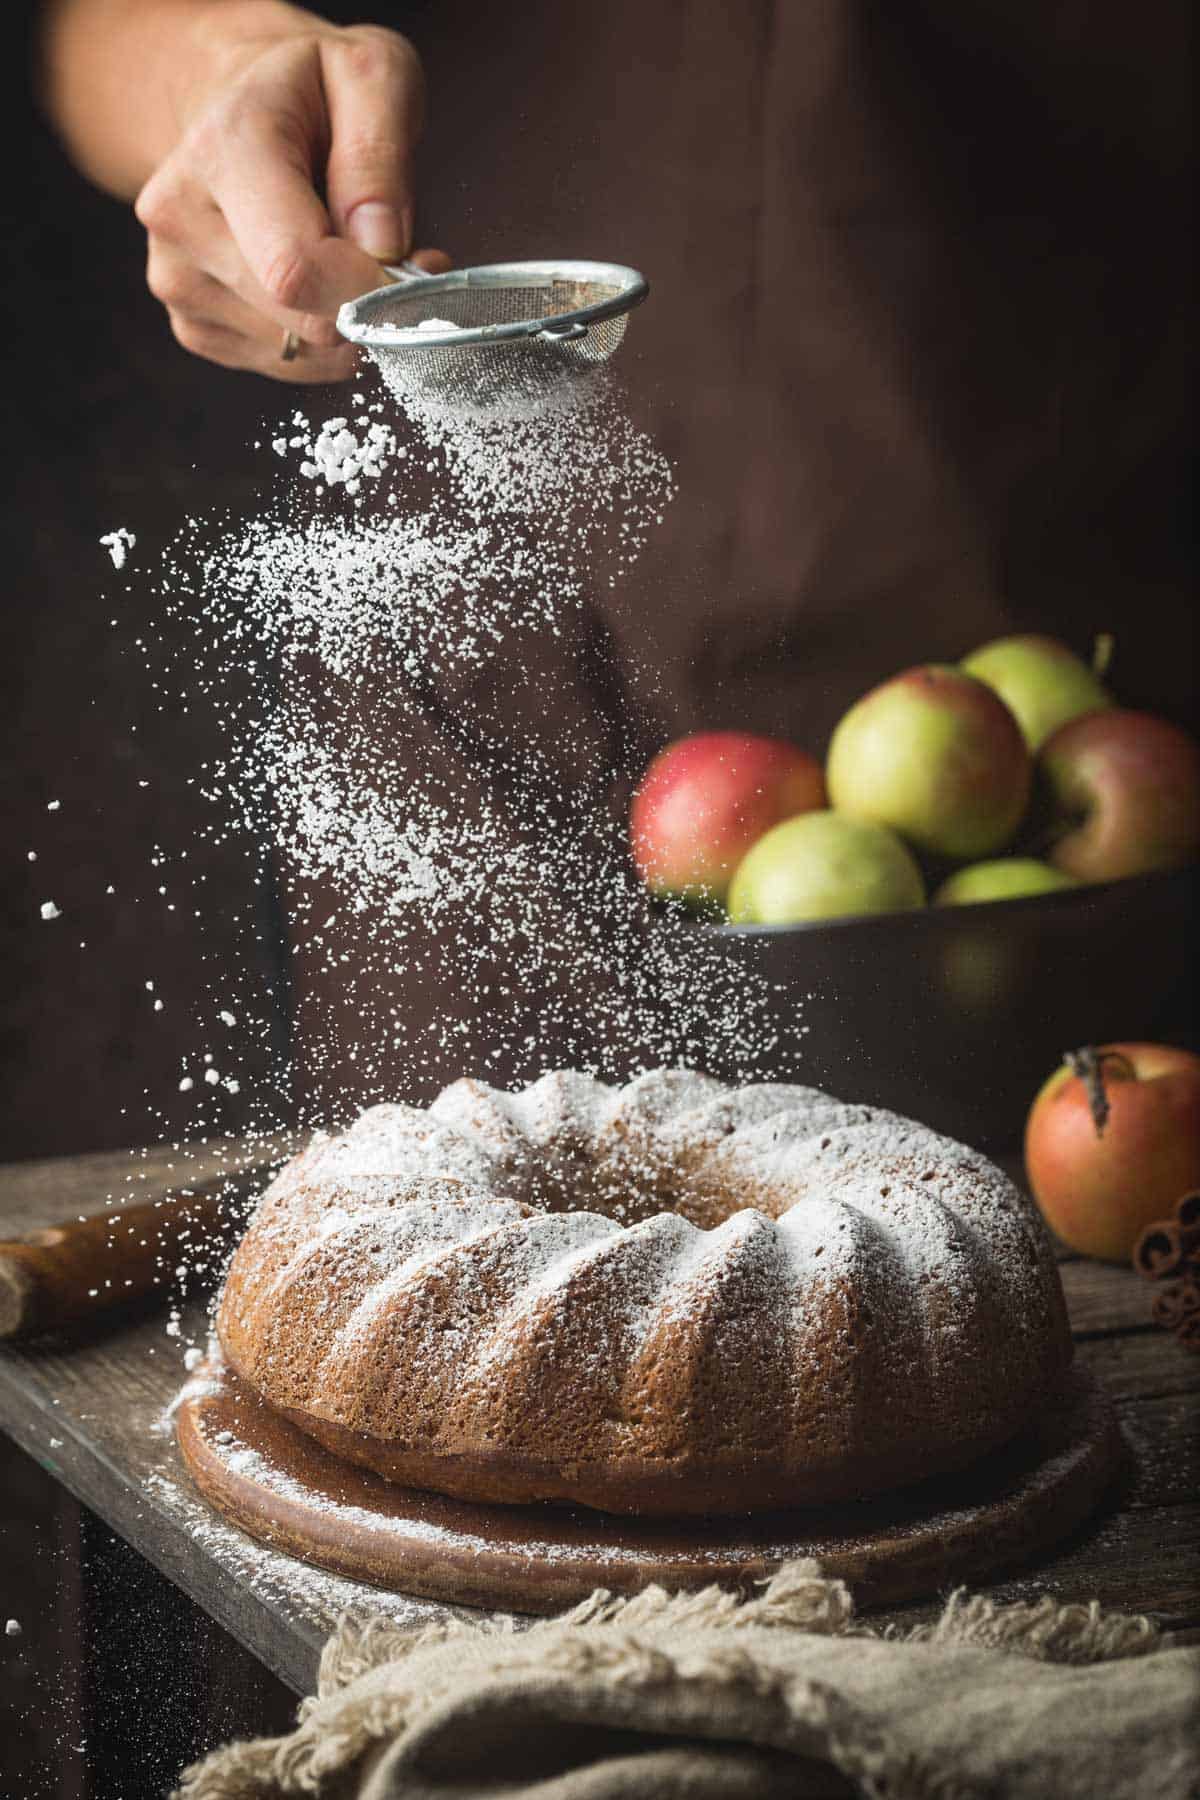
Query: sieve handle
{"points": [[406, 271]]}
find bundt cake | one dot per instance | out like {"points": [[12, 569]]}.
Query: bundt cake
{"points": [[669, 1297]]}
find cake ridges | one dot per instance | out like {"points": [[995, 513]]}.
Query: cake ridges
{"points": [[858, 1300]]}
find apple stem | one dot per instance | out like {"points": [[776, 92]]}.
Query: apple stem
{"points": [[1102, 652], [1088, 1065]]}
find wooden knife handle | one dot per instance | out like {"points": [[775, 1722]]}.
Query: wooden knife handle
{"points": [[69, 1274]]}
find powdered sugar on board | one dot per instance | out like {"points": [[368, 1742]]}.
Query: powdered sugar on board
{"points": [[428, 1535], [281, 1581], [248, 1462]]}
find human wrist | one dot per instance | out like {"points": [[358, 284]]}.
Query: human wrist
{"points": [[223, 37], [181, 50]]}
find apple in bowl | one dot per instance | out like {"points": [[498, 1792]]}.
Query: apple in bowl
{"points": [[705, 800], [935, 755], [1004, 878], [1041, 681], [1121, 791], [824, 865]]}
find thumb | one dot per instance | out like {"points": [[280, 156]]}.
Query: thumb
{"points": [[374, 95]]}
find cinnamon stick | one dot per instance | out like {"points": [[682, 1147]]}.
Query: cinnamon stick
{"points": [[1175, 1301], [1160, 1253], [1188, 1331], [1187, 1216]]}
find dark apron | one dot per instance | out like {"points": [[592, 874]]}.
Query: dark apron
{"points": [[916, 345]]}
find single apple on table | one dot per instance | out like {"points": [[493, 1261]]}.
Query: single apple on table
{"points": [[1042, 682], [1122, 791], [1004, 878], [824, 865], [1112, 1142], [705, 799], [936, 755]]}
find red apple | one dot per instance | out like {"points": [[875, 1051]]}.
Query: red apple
{"points": [[936, 755], [1112, 1149], [705, 799], [1123, 790]]}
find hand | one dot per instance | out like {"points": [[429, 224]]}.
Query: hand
{"points": [[242, 248]]}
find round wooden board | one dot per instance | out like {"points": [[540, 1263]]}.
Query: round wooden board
{"points": [[283, 1488]]}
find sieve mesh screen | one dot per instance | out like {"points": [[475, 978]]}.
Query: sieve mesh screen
{"points": [[505, 356]]}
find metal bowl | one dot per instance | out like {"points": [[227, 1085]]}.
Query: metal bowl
{"points": [[956, 1014]]}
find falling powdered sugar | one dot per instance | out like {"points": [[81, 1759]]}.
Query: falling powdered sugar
{"points": [[118, 543], [279, 1581], [335, 456], [426, 724]]}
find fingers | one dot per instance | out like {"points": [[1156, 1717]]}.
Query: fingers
{"points": [[217, 311], [434, 262], [242, 245], [374, 96], [190, 245], [210, 320], [238, 349], [261, 176]]}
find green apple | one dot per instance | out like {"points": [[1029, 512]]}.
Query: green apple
{"points": [[1005, 878], [936, 755], [1041, 681], [823, 865]]}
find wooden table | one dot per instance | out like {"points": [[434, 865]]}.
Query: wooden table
{"points": [[93, 1415]]}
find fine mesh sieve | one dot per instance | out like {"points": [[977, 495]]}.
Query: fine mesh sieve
{"points": [[516, 332]]}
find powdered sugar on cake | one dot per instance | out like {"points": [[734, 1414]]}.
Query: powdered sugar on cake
{"points": [[578, 1280]]}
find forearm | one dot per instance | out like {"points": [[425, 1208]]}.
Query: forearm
{"points": [[268, 153], [120, 78]]}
